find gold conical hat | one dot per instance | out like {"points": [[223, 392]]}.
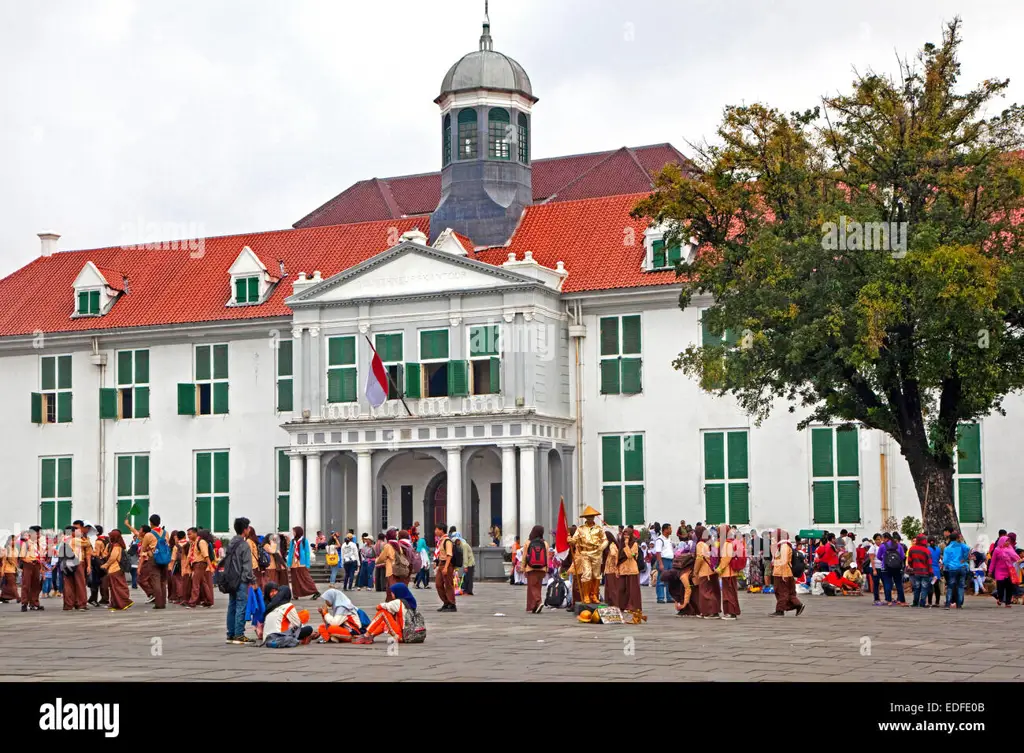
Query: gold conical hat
{"points": [[589, 512]]}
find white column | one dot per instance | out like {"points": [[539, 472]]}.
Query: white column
{"points": [[527, 488], [509, 519], [296, 507], [364, 492], [314, 509], [454, 488]]}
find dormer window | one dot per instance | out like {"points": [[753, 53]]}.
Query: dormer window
{"points": [[661, 257], [96, 289], [247, 290], [88, 303], [250, 281]]}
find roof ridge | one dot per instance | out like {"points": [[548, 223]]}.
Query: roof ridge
{"points": [[389, 198], [587, 172]]}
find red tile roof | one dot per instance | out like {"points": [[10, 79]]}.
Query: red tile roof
{"points": [[114, 278], [577, 176]]}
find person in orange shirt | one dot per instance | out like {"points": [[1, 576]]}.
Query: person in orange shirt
{"points": [[9, 572], [515, 548], [536, 550], [610, 567], [119, 596], [443, 575], [199, 563], [157, 573], [75, 582], [709, 594], [31, 554], [731, 550], [629, 573]]}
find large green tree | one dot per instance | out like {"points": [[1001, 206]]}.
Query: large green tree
{"points": [[914, 337]]}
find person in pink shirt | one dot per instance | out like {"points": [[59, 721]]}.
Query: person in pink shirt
{"points": [[1000, 569]]}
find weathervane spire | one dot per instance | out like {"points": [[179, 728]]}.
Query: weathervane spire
{"points": [[485, 39]]}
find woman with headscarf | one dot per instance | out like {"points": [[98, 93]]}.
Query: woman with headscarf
{"points": [[299, 556], [782, 575], [277, 570], [755, 578], [678, 580], [709, 594], [342, 619], [610, 567], [1000, 569], [397, 617], [9, 571], [120, 599], [423, 576], [283, 620], [395, 561], [730, 565], [254, 551], [629, 573], [535, 573]]}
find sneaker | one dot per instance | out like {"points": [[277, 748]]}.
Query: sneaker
{"points": [[151, 599], [24, 607], [729, 617], [244, 640], [129, 605], [800, 609], [878, 604], [444, 608], [948, 606], [714, 617], [777, 614], [39, 608], [230, 639]]}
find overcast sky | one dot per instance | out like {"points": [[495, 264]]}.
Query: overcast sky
{"points": [[215, 117]]}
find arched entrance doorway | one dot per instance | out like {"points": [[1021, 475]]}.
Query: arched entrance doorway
{"points": [[435, 507]]}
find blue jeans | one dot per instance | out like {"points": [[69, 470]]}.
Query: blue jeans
{"points": [[662, 588], [891, 579], [921, 584], [956, 582], [135, 577], [350, 575], [876, 582], [365, 575], [423, 574], [236, 611], [334, 573]]}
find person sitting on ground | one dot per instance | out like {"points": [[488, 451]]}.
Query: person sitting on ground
{"points": [[343, 621], [853, 578], [285, 625], [398, 618]]}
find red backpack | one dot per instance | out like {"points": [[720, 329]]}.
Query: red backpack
{"points": [[739, 560], [536, 554]]}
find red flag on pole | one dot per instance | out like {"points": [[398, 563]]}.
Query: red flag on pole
{"points": [[562, 531]]}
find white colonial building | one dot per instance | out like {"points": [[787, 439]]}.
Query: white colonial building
{"points": [[528, 325]]}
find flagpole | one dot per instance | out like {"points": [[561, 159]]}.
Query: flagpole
{"points": [[401, 393]]}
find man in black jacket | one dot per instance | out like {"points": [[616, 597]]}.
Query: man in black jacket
{"points": [[238, 577]]}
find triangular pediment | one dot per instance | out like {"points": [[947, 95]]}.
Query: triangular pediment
{"points": [[247, 263], [90, 277], [410, 269]]}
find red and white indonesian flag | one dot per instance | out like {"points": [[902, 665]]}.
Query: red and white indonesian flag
{"points": [[376, 381]]}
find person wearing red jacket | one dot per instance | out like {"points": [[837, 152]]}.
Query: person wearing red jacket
{"points": [[827, 555], [919, 563]]}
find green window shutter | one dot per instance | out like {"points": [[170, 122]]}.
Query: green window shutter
{"points": [[64, 477], [94, 301], [707, 337], [610, 376], [634, 504], [427, 344], [204, 512], [611, 458], [186, 399], [968, 448], [341, 351], [142, 367], [633, 457], [821, 454], [847, 453], [737, 446], [125, 466], [458, 378], [412, 380], [496, 375], [48, 478], [848, 494], [284, 358], [37, 408], [220, 398], [659, 254], [284, 467], [141, 405], [221, 473], [220, 361], [254, 291], [441, 343], [48, 373], [675, 254], [203, 365], [63, 407], [334, 385], [47, 515], [240, 291], [83, 302], [632, 372], [64, 516], [124, 506], [714, 455], [142, 516], [483, 341], [631, 334], [221, 514], [610, 336], [142, 475], [125, 373], [204, 473], [64, 373], [739, 504], [824, 497], [970, 500], [349, 392], [284, 395], [714, 503], [283, 512], [108, 402], [612, 501]]}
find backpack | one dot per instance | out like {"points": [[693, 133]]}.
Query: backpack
{"points": [[162, 553], [536, 554], [456, 553], [124, 563], [231, 577], [556, 594], [68, 559], [281, 640], [400, 567], [263, 558], [415, 562], [798, 564], [415, 628], [893, 558], [740, 561]]}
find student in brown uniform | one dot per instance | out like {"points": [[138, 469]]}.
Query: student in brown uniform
{"points": [[143, 574], [119, 596], [177, 592], [389, 560], [9, 572], [199, 563], [443, 575], [782, 576], [727, 572], [610, 567], [157, 573], [99, 592], [254, 549], [299, 558], [535, 573], [709, 595], [31, 554], [76, 583], [276, 571], [629, 573]]}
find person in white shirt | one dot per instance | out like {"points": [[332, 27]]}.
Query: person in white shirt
{"points": [[350, 561], [875, 564], [663, 553]]}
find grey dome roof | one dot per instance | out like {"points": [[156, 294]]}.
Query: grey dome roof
{"points": [[487, 69]]}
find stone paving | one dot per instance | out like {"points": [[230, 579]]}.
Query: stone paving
{"points": [[844, 638]]}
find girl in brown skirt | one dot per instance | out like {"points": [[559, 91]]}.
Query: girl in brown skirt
{"points": [[782, 575], [611, 571], [299, 557], [174, 584], [276, 571], [629, 573], [199, 563], [731, 549], [9, 572], [709, 595], [119, 596], [535, 574], [254, 549]]}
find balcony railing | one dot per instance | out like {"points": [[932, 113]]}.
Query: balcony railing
{"points": [[426, 407]]}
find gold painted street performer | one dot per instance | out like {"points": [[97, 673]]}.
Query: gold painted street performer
{"points": [[589, 543]]}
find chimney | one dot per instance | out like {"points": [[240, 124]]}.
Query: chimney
{"points": [[48, 239]]}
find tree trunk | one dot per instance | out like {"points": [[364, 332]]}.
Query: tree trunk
{"points": [[934, 483]]}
